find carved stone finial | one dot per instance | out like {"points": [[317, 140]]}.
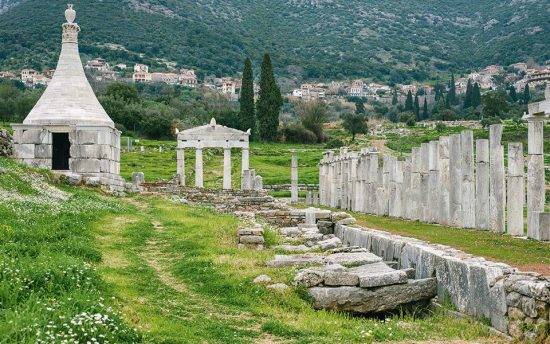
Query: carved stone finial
{"points": [[213, 122], [70, 14]]}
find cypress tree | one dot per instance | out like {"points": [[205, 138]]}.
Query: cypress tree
{"points": [[476, 96], [409, 106], [513, 94], [416, 107], [425, 110], [469, 95], [451, 96], [247, 114], [526, 94], [359, 106], [394, 98], [269, 103]]}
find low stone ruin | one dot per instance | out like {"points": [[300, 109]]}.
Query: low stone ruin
{"points": [[6, 143], [251, 237]]}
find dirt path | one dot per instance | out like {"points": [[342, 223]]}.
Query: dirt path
{"points": [[380, 145]]}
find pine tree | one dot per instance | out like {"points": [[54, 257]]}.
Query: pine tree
{"points": [[469, 95], [416, 107], [247, 114], [269, 103], [394, 98], [476, 96], [513, 94], [451, 95], [425, 110], [526, 94], [409, 106]]}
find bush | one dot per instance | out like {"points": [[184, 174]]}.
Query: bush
{"points": [[296, 133], [440, 127], [490, 120], [334, 143], [409, 118]]}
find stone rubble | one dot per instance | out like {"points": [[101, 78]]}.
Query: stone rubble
{"points": [[251, 237], [6, 143]]}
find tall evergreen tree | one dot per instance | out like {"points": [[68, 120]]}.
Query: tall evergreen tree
{"points": [[425, 109], [359, 106], [269, 103], [394, 97], [526, 94], [469, 95], [247, 114], [451, 95], [512, 93], [476, 96], [409, 105], [416, 107]]}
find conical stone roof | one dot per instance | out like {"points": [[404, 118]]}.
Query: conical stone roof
{"points": [[69, 98]]}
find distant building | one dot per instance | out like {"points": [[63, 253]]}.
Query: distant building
{"points": [[141, 68], [493, 69], [98, 64], [40, 80], [121, 66], [188, 78], [357, 89], [141, 77], [7, 75], [27, 74], [167, 78], [522, 67]]}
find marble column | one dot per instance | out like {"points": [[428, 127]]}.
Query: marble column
{"points": [[406, 189], [468, 179], [497, 189], [245, 161], [516, 189], [415, 205], [444, 181], [373, 181], [455, 176], [482, 184], [424, 181], [396, 188], [433, 182], [294, 180], [198, 168], [227, 168], [352, 184], [536, 184], [181, 166]]}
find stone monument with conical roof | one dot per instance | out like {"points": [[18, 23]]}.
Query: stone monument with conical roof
{"points": [[68, 130]]}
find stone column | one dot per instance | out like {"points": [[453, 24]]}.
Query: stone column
{"points": [[497, 186], [406, 187], [468, 179], [455, 169], [416, 180], [373, 181], [396, 188], [245, 159], [536, 184], [424, 182], [352, 183], [433, 182], [444, 181], [227, 168], [294, 180], [181, 166], [482, 184], [198, 168], [516, 189]]}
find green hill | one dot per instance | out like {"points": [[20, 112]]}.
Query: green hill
{"points": [[388, 40]]}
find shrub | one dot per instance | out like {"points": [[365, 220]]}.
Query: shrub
{"points": [[334, 143], [296, 133]]}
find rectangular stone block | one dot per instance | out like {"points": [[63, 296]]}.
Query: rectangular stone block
{"points": [[24, 151], [468, 200], [87, 137], [482, 195], [444, 180], [85, 165], [455, 176], [34, 136], [535, 193], [43, 151], [516, 201], [544, 226], [535, 137]]}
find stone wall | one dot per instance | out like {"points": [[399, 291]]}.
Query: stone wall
{"points": [[454, 181], [287, 187]]}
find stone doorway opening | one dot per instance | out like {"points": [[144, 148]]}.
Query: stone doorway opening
{"points": [[61, 147]]}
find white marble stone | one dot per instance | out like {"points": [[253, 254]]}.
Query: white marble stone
{"points": [[468, 200], [482, 184], [497, 190]]}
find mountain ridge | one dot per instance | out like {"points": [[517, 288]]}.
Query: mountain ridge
{"points": [[391, 41]]}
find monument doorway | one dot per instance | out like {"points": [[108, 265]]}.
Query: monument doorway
{"points": [[60, 151]]}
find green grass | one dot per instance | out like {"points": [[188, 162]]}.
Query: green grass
{"points": [[180, 279], [271, 161], [5, 125], [498, 247]]}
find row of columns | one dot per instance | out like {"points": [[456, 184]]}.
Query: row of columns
{"points": [[199, 173], [453, 181]]}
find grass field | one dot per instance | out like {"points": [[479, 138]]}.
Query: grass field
{"points": [[76, 264]]}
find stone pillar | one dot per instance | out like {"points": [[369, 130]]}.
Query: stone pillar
{"points": [[258, 183], [396, 184], [468, 179], [352, 182], [536, 184], [315, 198], [424, 181], [227, 168], [433, 182], [373, 178], [181, 166], [294, 180], [444, 181], [198, 168], [246, 180], [415, 205], [482, 184], [516, 189], [497, 186], [406, 187], [541, 223], [309, 197], [245, 161], [455, 169], [138, 178]]}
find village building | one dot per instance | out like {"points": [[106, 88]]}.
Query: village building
{"points": [[68, 130], [27, 74], [40, 80], [167, 78], [122, 66], [142, 77], [7, 75], [98, 64], [357, 89], [141, 68], [188, 78]]}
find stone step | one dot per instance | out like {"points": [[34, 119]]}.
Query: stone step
{"points": [[347, 259]]}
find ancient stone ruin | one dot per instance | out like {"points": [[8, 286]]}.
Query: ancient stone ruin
{"points": [[68, 130], [446, 182]]}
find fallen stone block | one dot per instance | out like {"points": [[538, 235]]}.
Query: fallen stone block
{"points": [[352, 258], [262, 279], [382, 299], [294, 248], [330, 244], [296, 260], [378, 275], [251, 239]]}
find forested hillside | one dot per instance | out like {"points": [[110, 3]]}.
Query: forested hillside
{"points": [[394, 40]]}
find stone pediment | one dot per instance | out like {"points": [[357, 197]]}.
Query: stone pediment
{"points": [[213, 135]]}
